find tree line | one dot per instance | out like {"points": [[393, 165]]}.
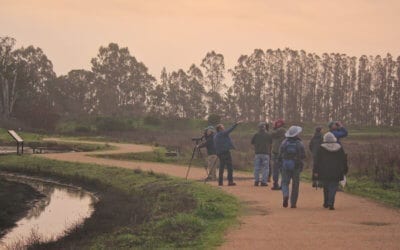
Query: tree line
{"points": [[265, 85]]}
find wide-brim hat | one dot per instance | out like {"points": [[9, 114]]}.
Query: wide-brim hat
{"points": [[293, 131], [210, 128]]}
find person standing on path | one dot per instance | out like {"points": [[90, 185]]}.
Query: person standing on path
{"points": [[291, 154], [223, 145], [278, 135], [211, 153], [314, 145], [262, 145], [330, 167], [337, 129]]}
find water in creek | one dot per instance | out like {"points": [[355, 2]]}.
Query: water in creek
{"points": [[51, 217]]}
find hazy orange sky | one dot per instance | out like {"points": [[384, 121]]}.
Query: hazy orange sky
{"points": [[177, 33]]}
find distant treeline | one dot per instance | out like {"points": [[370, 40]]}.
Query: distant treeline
{"points": [[295, 85]]}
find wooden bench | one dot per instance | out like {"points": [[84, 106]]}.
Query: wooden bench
{"points": [[173, 152], [38, 150], [19, 140]]}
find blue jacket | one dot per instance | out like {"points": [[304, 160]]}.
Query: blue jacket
{"points": [[339, 133], [222, 141]]}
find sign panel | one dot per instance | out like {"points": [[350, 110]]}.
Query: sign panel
{"points": [[15, 136]]}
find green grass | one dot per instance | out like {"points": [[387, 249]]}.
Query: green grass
{"points": [[365, 187], [26, 136], [14, 204], [158, 155], [150, 210]]}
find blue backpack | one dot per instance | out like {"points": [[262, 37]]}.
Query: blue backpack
{"points": [[290, 155]]}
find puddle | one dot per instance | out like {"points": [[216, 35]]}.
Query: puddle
{"points": [[374, 223], [62, 208]]}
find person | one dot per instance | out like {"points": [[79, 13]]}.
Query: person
{"points": [[314, 144], [291, 154], [337, 129], [223, 145], [278, 135], [211, 153], [330, 168], [269, 153], [262, 145]]}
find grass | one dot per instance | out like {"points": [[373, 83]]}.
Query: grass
{"points": [[157, 155], [14, 204], [365, 187], [5, 138], [137, 209]]}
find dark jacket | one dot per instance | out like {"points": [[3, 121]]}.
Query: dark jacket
{"points": [[301, 154], [278, 135], [222, 141], [315, 142], [339, 133], [262, 142], [331, 164], [209, 144]]}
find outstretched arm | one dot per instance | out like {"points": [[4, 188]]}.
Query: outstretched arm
{"points": [[229, 130], [340, 133]]}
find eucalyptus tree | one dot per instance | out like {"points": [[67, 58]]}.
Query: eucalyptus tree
{"points": [[122, 82], [214, 67]]}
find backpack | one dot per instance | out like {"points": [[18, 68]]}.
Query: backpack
{"points": [[290, 155]]}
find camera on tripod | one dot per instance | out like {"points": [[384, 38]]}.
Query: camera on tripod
{"points": [[197, 139]]}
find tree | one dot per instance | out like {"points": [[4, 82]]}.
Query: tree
{"points": [[75, 93], [214, 66], [195, 93], [8, 76], [122, 81]]}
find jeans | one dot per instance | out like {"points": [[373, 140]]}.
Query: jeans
{"points": [[225, 159], [275, 168], [293, 175], [261, 164], [330, 188]]}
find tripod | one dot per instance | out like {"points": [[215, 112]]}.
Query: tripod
{"points": [[196, 151]]}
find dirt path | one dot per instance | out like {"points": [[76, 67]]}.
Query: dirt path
{"points": [[357, 223]]}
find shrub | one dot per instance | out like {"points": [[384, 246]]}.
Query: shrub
{"points": [[152, 120], [111, 124], [82, 129]]}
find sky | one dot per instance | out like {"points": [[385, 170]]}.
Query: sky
{"points": [[176, 33]]}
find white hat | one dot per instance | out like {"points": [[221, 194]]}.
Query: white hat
{"points": [[293, 131], [329, 138]]}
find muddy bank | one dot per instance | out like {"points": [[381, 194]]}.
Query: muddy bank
{"points": [[15, 201]]}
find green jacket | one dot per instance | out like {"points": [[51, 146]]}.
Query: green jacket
{"points": [[262, 142], [278, 135]]}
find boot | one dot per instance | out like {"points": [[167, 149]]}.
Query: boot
{"points": [[285, 201], [256, 183], [231, 183], [263, 184], [276, 186]]}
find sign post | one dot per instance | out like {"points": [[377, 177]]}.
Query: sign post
{"points": [[19, 140]]}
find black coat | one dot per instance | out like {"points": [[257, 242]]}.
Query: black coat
{"points": [[330, 165], [315, 142]]}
